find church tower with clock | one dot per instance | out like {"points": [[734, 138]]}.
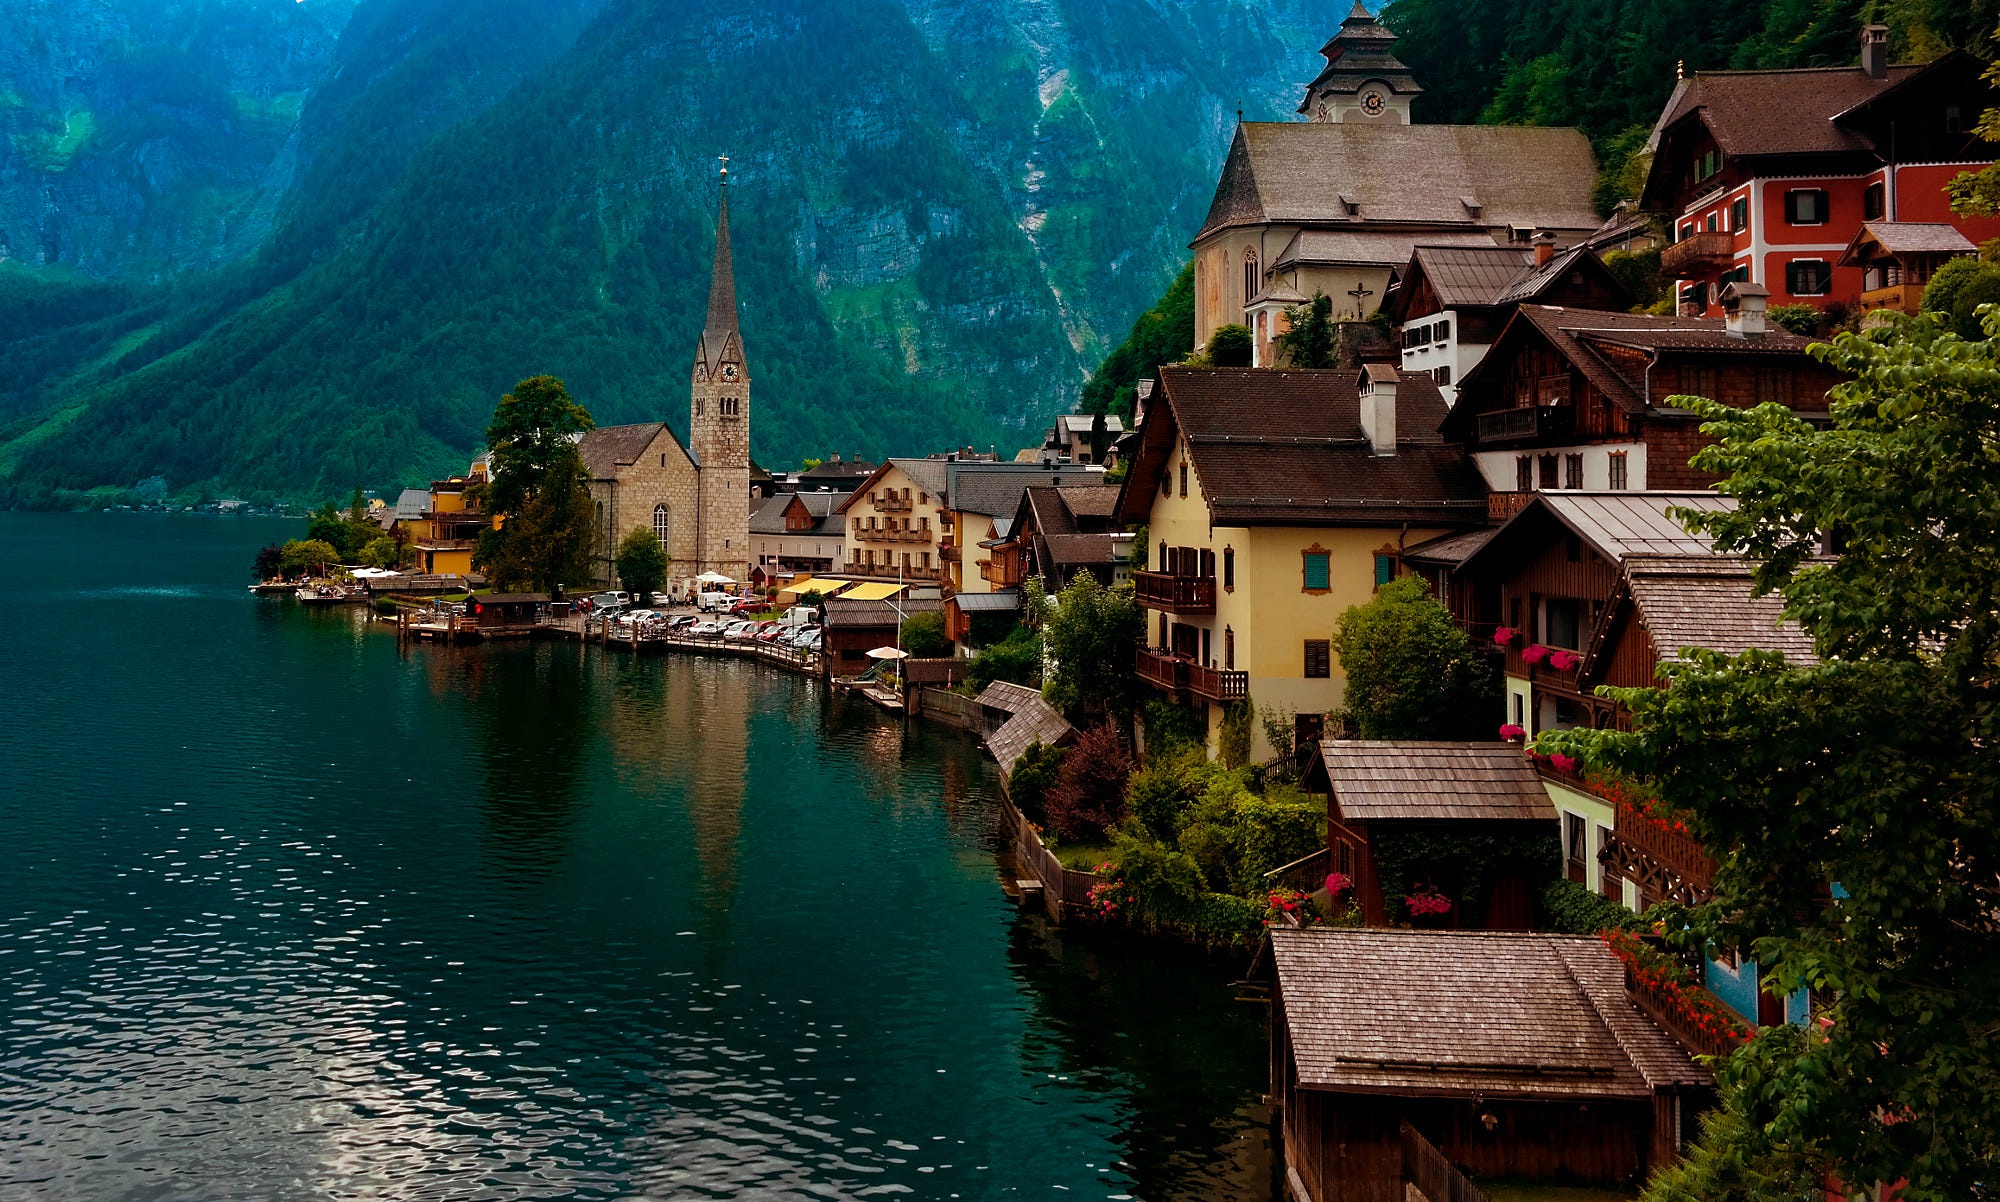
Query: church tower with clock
{"points": [[1362, 81], [719, 425]]}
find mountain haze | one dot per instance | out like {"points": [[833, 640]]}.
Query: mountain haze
{"points": [[941, 212]]}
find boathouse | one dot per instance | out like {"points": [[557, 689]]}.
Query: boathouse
{"points": [[497, 612], [1422, 1056]]}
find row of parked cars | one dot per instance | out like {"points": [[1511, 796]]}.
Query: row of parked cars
{"points": [[795, 635]]}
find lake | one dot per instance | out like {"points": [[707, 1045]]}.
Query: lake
{"points": [[285, 913]]}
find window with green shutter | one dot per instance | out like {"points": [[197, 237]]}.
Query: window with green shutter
{"points": [[1385, 569], [1317, 569]]}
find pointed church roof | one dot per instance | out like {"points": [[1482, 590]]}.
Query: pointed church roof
{"points": [[1358, 53], [721, 324]]}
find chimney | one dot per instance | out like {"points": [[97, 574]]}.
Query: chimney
{"points": [[1141, 393], [1545, 247], [1377, 384], [1743, 307], [1875, 51]]}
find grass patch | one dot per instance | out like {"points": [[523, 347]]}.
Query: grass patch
{"points": [[1082, 857]]}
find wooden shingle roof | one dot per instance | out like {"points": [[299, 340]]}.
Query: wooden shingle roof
{"points": [[1481, 1013], [1710, 602], [1029, 720], [1413, 781]]}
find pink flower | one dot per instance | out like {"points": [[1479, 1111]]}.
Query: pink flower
{"points": [[1337, 884], [1504, 635], [1563, 661], [1533, 653], [1512, 733], [1563, 763]]}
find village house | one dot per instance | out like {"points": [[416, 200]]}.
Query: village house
{"points": [[1451, 302], [1572, 399], [1070, 438], [1388, 801], [696, 498], [445, 532], [896, 524], [1898, 258], [982, 499], [1336, 204], [1405, 1059], [1057, 533], [1766, 177], [1273, 501], [794, 533], [856, 625]]}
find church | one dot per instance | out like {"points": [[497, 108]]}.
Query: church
{"points": [[1336, 203], [694, 498]]}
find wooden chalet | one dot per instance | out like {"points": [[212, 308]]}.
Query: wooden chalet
{"points": [[495, 612], [1422, 1058], [854, 627], [1574, 400], [1898, 258], [1385, 796]]}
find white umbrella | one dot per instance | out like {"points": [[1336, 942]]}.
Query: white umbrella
{"points": [[888, 653], [714, 578]]}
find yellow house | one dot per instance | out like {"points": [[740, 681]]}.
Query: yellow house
{"points": [[447, 531], [1273, 501], [897, 523]]}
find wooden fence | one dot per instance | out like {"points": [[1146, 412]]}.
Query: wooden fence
{"points": [[1062, 888], [1433, 1176], [952, 709]]}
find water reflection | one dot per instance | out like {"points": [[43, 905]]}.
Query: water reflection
{"points": [[535, 713]]}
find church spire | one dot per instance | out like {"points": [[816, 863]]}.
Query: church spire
{"points": [[722, 286]]}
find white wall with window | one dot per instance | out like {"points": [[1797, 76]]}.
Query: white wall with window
{"points": [[1604, 467]]}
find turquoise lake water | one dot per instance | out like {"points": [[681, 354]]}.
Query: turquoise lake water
{"points": [[285, 913]]}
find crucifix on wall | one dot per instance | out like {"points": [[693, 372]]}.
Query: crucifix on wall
{"points": [[1360, 292]]}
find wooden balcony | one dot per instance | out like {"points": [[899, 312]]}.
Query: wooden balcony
{"points": [[1662, 860], [1528, 423], [1177, 675], [1503, 505], [1902, 298], [949, 552], [884, 534], [1665, 1010], [1175, 594], [892, 502], [1698, 255]]}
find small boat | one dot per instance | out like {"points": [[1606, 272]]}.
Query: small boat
{"points": [[322, 594]]}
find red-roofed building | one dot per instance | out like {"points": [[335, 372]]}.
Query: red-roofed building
{"points": [[1767, 176]]}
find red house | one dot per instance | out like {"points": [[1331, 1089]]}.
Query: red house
{"points": [[1767, 176]]}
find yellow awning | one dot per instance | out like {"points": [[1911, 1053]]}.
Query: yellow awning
{"points": [[871, 592], [799, 588]]}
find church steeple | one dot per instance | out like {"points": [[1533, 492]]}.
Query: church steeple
{"points": [[1362, 81], [719, 426], [721, 326]]}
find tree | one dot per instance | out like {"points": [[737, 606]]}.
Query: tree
{"points": [[1411, 672], [1088, 796], [270, 561], [1229, 346], [1309, 340], [1869, 773], [1091, 636], [1016, 659], [308, 555], [1977, 193], [384, 552], [1162, 334], [642, 562], [538, 489], [923, 636]]}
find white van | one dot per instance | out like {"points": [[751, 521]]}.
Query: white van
{"points": [[800, 615], [714, 602]]}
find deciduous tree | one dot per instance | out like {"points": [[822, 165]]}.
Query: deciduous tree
{"points": [[538, 489], [1309, 340], [1091, 635], [642, 562], [1853, 804], [1411, 672]]}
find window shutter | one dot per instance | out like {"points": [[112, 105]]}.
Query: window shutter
{"points": [[1385, 569], [1316, 571]]}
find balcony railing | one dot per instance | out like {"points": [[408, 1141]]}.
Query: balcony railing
{"points": [[1698, 255], [889, 571], [1660, 858], [1528, 423], [949, 552], [1503, 505], [1903, 298], [1179, 675], [892, 503], [887, 534], [1175, 594]]}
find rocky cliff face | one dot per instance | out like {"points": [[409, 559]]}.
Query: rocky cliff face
{"points": [[150, 137], [945, 210]]}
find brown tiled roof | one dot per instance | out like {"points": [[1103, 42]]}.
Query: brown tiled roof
{"points": [[843, 613], [1572, 332], [1274, 448], [1402, 781], [1031, 720], [1082, 548], [1778, 112], [1918, 238], [608, 448], [1298, 172], [1710, 602], [1456, 1013], [1450, 550], [769, 516], [1470, 275], [1372, 247]]}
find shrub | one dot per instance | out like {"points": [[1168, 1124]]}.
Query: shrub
{"points": [[923, 636], [1171, 730], [1088, 797], [1028, 784], [1158, 800], [1411, 672], [1233, 742], [1941, 293], [1229, 346], [1574, 910], [1982, 289], [1016, 659], [1170, 897], [1800, 319]]}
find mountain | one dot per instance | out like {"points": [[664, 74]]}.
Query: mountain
{"points": [[944, 212]]}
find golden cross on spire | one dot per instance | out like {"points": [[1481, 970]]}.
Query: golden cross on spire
{"points": [[725, 166]]}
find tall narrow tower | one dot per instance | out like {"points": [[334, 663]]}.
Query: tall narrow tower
{"points": [[720, 420]]}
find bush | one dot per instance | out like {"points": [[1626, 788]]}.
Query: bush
{"points": [[1229, 346], [1574, 910], [1159, 800], [1235, 836], [1411, 672], [1800, 319], [1171, 897], [1234, 739], [1028, 783], [1983, 289], [1941, 293], [923, 636], [1088, 797], [1016, 659], [1171, 730]]}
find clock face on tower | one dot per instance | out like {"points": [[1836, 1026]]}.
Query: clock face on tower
{"points": [[729, 372], [1373, 102]]}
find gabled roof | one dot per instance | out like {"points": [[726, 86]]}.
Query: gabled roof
{"points": [[605, 449], [1369, 247], [994, 490], [1482, 1013], [1710, 602], [1416, 782], [1898, 238], [1615, 525], [1789, 111], [926, 474], [1411, 175], [769, 516], [1450, 550], [1468, 275], [1030, 720], [848, 613], [1285, 448]]}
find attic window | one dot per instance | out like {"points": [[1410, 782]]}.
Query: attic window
{"points": [[1471, 206], [1520, 233], [1350, 206]]}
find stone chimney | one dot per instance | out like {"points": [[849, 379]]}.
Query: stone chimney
{"points": [[1875, 51], [1545, 247], [1377, 384], [1142, 393], [1743, 308]]}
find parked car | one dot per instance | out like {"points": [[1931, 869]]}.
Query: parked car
{"points": [[714, 602], [705, 630], [615, 599], [682, 622], [637, 615]]}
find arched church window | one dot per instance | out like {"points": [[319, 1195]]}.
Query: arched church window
{"points": [[1253, 275], [660, 525]]}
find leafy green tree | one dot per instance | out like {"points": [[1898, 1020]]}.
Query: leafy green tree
{"points": [[1032, 776], [923, 636], [1091, 637], [1977, 193], [1016, 659], [384, 552], [1411, 672], [1639, 272], [1309, 340], [309, 555], [1869, 772], [642, 562], [1948, 281], [1800, 319], [1229, 346], [538, 489]]}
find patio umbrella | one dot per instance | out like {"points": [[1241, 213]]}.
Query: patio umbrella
{"points": [[888, 653], [714, 578]]}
